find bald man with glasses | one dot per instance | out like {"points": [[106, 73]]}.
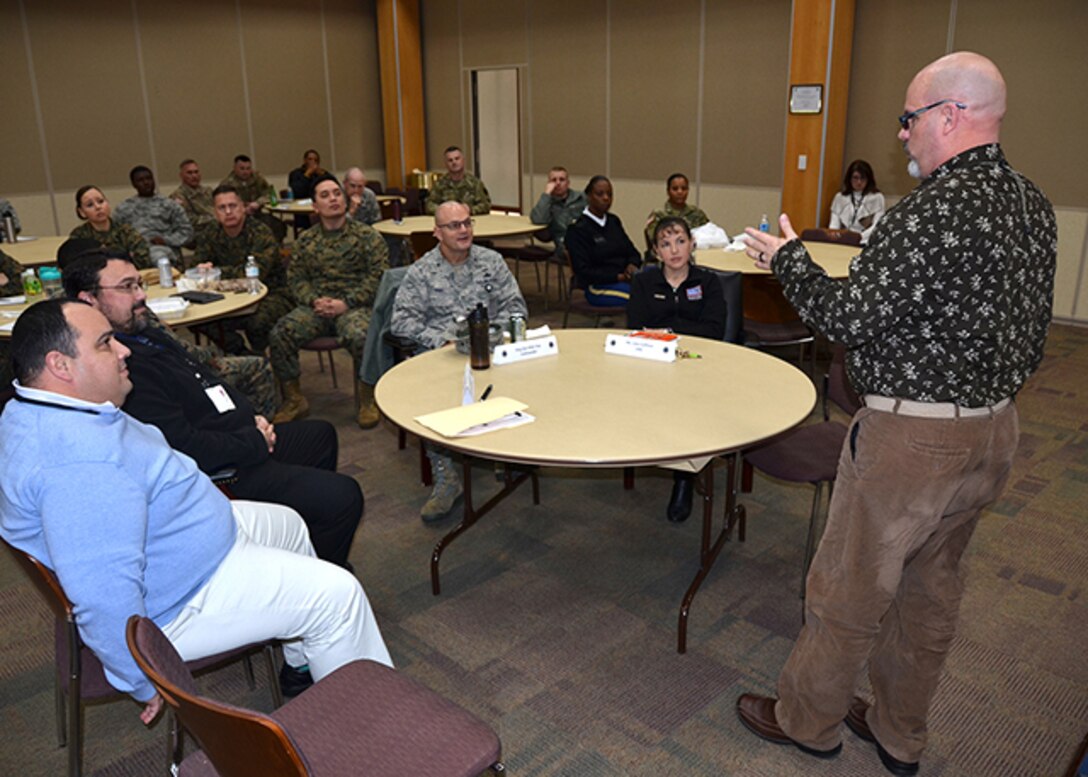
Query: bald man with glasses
{"points": [[447, 282], [944, 316]]}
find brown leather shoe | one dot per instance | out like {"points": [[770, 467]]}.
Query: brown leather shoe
{"points": [[757, 714], [855, 721]]}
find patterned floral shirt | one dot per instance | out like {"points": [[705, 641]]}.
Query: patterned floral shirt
{"points": [[951, 300]]}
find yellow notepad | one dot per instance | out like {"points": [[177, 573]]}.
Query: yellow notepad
{"points": [[495, 413]]}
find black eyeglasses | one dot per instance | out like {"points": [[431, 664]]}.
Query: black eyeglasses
{"points": [[454, 226], [129, 286], [907, 118]]}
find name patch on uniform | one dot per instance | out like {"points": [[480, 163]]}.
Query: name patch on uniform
{"points": [[695, 293]]}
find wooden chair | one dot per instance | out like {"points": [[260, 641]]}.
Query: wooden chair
{"points": [[534, 254], [771, 322], [80, 677], [841, 236], [810, 454], [577, 302], [364, 718]]}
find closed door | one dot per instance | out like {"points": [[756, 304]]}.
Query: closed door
{"points": [[496, 134]]}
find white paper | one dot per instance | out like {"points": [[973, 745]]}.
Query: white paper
{"points": [[641, 348], [19, 300]]}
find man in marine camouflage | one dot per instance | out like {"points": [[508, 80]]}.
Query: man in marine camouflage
{"points": [[449, 281], [333, 278], [194, 199], [457, 185], [254, 189], [227, 243], [11, 285]]}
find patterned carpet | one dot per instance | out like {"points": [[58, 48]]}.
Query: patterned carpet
{"points": [[557, 622]]}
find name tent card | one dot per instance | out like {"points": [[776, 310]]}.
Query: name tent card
{"points": [[523, 350], [641, 347]]}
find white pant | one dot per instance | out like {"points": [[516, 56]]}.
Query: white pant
{"points": [[272, 586]]}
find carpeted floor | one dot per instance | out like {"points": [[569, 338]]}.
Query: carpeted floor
{"points": [[557, 622]]}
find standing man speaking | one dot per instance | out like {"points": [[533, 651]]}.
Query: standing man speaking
{"points": [[944, 316]]}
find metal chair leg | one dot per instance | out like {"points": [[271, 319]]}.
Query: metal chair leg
{"points": [[810, 543]]}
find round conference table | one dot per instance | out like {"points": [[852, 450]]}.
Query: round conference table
{"points": [[233, 304], [486, 226], [682, 414], [835, 258], [307, 206], [31, 252]]}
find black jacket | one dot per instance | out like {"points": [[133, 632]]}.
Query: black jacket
{"points": [[696, 308], [168, 391], [599, 254]]}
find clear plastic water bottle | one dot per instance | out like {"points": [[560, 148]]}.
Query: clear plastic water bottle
{"points": [[253, 275], [764, 225], [166, 273]]}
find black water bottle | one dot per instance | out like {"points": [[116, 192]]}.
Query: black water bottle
{"points": [[479, 338]]}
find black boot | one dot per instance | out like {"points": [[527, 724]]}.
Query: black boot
{"points": [[294, 681], [683, 486]]}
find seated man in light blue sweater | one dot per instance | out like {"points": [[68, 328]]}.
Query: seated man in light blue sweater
{"points": [[131, 526]]}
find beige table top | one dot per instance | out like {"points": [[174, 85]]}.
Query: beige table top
{"points": [[307, 206], [833, 257], [595, 409], [292, 206], [232, 304], [490, 225], [30, 253]]}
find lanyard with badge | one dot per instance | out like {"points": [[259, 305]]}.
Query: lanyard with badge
{"points": [[217, 393]]}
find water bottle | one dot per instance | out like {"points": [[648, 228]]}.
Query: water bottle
{"points": [[764, 225], [253, 275], [51, 282], [272, 199], [32, 287], [166, 273], [479, 338]]}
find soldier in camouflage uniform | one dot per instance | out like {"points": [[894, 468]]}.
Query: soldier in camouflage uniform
{"points": [[675, 207], [227, 243], [449, 281], [93, 207], [11, 285], [194, 199], [333, 278], [254, 190], [558, 206], [160, 220], [457, 185]]}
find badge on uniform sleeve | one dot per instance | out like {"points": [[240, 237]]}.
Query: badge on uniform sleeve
{"points": [[695, 293], [220, 398]]}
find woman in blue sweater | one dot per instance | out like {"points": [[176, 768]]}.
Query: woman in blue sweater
{"points": [[601, 254]]}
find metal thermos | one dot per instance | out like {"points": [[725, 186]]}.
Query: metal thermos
{"points": [[9, 230]]}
